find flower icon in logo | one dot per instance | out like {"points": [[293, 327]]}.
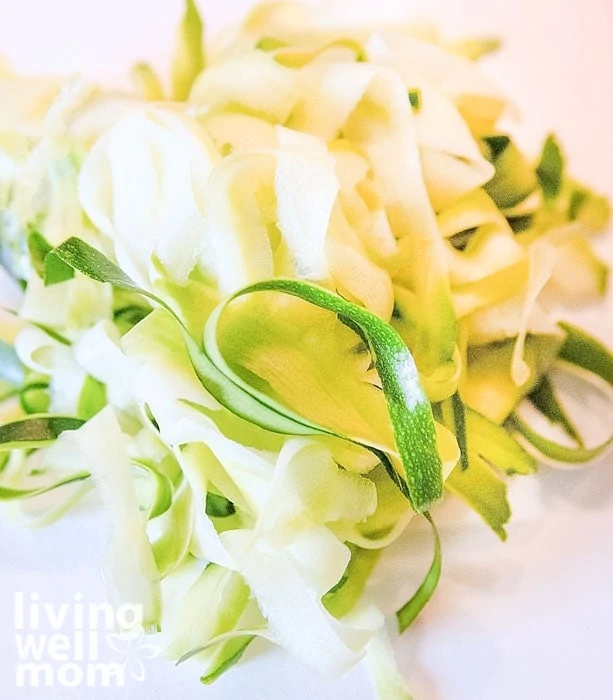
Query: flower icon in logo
{"points": [[131, 649]]}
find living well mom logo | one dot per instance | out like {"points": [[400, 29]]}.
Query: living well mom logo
{"points": [[74, 643]]}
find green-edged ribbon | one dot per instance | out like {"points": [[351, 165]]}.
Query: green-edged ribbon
{"points": [[408, 407]]}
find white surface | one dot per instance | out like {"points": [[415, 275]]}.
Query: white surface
{"points": [[530, 619]]}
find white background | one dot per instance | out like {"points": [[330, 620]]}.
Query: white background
{"points": [[526, 620]]}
